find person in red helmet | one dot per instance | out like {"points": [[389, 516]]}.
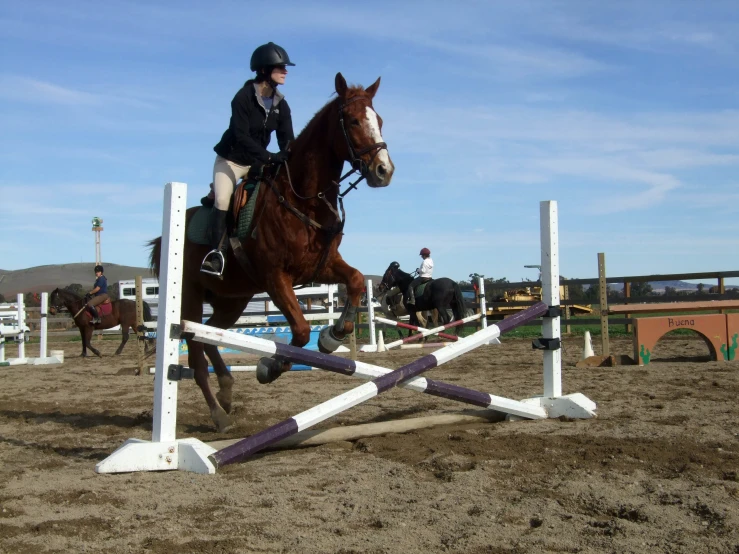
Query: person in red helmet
{"points": [[424, 274]]}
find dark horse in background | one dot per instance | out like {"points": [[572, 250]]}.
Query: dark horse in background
{"points": [[121, 312], [297, 228], [439, 294]]}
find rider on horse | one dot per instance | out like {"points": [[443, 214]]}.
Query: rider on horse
{"points": [[98, 294], [256, 110], [424, 275]]}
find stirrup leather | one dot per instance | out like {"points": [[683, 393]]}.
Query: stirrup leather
{"points": [[204, 269]]}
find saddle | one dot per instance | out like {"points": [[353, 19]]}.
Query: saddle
{"points": [[419, 290], [106, 308], [240, 212], [238, 199]]}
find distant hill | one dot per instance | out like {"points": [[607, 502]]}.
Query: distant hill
{"points": [[45, 278], [659, 286]]}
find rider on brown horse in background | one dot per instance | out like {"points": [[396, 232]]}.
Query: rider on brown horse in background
{"points": [[425, 273], [256, 110], [98, 294]]}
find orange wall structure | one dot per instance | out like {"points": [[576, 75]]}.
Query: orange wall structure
{"points": [[712, 328]]}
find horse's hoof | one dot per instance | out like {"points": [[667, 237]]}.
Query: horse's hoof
{"points": [[224, 399], [327, 342], [220, 418], [268, 370]]}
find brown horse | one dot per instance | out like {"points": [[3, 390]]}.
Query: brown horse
{"points": [[123, 312], [297, 229]]}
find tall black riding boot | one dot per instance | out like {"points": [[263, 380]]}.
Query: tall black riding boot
{"points": [[215, 260], [95, 315]]}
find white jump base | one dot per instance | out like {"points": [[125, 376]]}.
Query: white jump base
{"points": [[17, 333], [166, 452]]}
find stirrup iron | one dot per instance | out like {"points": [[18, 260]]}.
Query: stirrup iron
{"points": [[204, 269]]}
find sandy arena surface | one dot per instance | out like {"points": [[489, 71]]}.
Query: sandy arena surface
{"points": [[655, 472]]}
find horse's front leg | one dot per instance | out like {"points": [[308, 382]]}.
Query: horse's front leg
{"points": [[341, 272], [87, 342], [282, 294]]}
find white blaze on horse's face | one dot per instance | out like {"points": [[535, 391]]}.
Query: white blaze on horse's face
{"points": [[381, 168]]}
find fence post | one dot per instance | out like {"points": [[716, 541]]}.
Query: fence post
{"points": [[627, 295], [604, 340], [21, 325], [43, 325], [567, 310], [371, 314], [483, 303], [140, 335]]}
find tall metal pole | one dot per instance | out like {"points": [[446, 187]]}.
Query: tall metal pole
{"points": [[97, 228]]}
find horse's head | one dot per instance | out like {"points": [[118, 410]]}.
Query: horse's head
{"points": [[361, 127], [55, 302], [390, 277]]}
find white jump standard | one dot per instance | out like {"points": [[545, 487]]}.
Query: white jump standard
{"points": [[167, 452]]}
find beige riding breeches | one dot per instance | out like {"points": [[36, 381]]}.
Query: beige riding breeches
{"points": [[97, 300], [225, 176]]}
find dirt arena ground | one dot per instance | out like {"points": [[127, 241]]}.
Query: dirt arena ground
{"points": [[655, 472]]}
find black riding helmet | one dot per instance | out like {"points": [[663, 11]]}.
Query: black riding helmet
{"points": [[269, 55]]}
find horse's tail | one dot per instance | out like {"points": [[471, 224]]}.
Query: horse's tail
{"points": [[154, 255], [147, 312], [458, 307]]}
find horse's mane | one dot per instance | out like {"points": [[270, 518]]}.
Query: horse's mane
{"points": [[315, 122], [68, 295]]}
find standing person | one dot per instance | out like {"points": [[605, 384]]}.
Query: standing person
{"points": [[424, 274], [256, 110], [98, 294]]}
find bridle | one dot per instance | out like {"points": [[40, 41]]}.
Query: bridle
{"points": [[357, 163], [388, 280], [358, 166]]}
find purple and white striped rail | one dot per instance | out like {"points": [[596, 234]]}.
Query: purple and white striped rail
{"points": [[253, 444], [424, 332]]}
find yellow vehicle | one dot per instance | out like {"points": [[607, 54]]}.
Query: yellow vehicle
{"points": [[530, 294]]}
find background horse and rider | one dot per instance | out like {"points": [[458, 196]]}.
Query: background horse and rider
{"points": [[293, 240], [391, 305], [442, 294], [118, 312]]}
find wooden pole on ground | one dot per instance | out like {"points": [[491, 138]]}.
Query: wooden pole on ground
{"points": [[313, 437], [604, 340]]}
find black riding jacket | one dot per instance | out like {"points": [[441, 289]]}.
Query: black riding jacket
{"points": [[249, 132]]}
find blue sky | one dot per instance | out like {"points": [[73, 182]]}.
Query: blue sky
{"points": [[626, 113]]}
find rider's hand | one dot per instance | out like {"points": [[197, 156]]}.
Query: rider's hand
{"points": [[278, 158]]}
